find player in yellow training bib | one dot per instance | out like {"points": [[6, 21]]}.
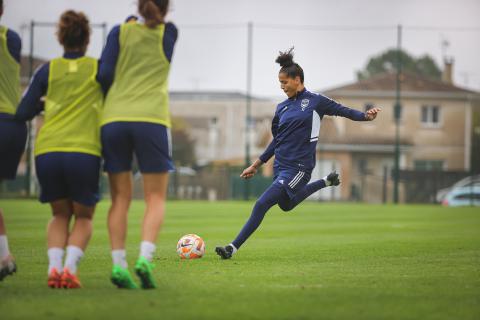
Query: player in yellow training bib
{"points": [[134, 69], [67, 149], [13, 133]]}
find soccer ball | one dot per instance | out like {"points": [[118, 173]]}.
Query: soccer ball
{"points": [[190, 246]]}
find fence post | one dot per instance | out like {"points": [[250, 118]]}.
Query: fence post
{"points": [[384, 185]]}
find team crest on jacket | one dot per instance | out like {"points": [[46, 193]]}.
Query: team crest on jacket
{"points": [[304, 104]]}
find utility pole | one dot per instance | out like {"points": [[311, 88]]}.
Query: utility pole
{"points": [[29, 156], [397, 111], [248, 118]]}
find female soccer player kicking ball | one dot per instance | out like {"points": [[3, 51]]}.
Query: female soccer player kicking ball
{"points": [[67, 149], [295, 129], [13, 134], [136, 120]]}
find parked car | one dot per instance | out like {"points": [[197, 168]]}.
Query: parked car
{"points": [[463, 196], [465, 182]]}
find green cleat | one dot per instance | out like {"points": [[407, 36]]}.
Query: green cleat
{"points": [[143, 269], [122, 279]]}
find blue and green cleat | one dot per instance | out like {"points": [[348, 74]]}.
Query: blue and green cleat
{"points": [[143, 269], [122, 279]]}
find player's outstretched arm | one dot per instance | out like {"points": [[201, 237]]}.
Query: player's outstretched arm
{"points": [[371, 114], [252, 170], [330, 107]]}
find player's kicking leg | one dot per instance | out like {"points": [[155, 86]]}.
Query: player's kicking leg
{"points": [[268, 199]]}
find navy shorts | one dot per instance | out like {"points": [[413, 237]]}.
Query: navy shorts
{"points": [[68, 175], [150, 142], [292, 180], [13, 135]]}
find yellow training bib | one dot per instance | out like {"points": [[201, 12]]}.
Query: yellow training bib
{"points": [[139, 92], [72, 108], [9, 77]]}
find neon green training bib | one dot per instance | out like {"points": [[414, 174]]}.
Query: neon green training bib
{"points": [[139, 92], [9, 77], [72, 108]]}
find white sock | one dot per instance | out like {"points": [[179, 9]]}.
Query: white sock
{"points": [[233, 247], [55, 257], [327, 183], [147, 249], [119, 258], [4, 252], [74, 255]]}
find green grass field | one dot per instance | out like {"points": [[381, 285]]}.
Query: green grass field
{"points": [[320, 261]]}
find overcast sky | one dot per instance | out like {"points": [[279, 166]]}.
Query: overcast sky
{"points": [[211, 50]]}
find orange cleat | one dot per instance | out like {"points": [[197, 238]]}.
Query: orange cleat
{"points": [[54, 279], [69, 280]]}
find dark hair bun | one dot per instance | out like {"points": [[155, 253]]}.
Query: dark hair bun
{"points": [[73, 29], [285, 59], [153, 11]]}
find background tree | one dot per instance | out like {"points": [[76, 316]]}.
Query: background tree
{"points": [[387, 62]]}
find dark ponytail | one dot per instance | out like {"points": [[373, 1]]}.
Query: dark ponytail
{"points": [[153, 11], [73, 30], [289, 67]]}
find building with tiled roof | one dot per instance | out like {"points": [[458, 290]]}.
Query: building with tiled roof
{"points": [[435, 132]]}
